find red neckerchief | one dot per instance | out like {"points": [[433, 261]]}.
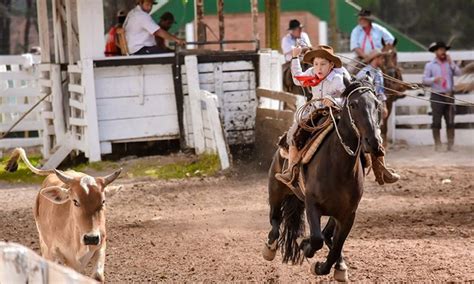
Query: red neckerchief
{"points": [[309, 80], [367, 35], [444, 73]]}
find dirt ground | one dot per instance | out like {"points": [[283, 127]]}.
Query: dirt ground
{"points": [[213, 229]]}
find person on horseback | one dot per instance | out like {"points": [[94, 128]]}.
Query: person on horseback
{"points": [[326, 79], [294, 37], [375, 60], [367, 35]]}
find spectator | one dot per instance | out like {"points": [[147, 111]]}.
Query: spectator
{"points": [[111, 42], [141, 30], [166, 21]]}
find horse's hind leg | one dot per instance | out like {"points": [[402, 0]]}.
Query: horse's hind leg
{"points": [[335, 252], [316, 239]]}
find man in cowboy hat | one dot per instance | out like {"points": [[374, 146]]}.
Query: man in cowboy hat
{"points": [[367, 35], [141, 30], [294, 37], [375, 60], [439, 74]]}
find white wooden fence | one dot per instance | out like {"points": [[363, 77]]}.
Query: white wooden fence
{"points": [[18, 92], [19, 264]]}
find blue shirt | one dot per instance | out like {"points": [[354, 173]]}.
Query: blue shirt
{"points": [[434, 69], [377, 75], [377, 32]]}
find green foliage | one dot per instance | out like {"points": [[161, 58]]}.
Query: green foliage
{"points": [[23, 174], [204, 165]]}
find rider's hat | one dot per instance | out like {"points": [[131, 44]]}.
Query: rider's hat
{"points": [[294, 24], [366, 14], [323, 51], [438, 44], [373, 54]]}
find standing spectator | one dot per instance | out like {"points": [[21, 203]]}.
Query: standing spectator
{"points": [[141, 30], [367, 35], [439, 74], [111, 46]]}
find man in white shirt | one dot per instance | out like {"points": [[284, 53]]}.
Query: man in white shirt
{"points": [[140, 30], [294, 37]]}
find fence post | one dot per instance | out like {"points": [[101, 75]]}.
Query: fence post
{"points": [[90, 114]]}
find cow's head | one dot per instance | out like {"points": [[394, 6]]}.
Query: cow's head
{"points": [[86, 197]]}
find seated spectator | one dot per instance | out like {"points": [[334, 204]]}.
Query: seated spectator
{"points": [[166, 21], [141, 30], [111, 43]]}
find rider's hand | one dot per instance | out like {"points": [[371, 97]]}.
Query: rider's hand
{"points": [[296, 51], [180, 41], [438, 80], [448, 58], [327, 102]]}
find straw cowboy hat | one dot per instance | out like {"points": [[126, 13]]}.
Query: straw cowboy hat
{"points": [[438, 44], [366, 14], [373, 54], [323, 51]]}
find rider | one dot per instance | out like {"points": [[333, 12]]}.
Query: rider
{"points": [[294, 37], [367, 35], [326, 72], [374, 60]]}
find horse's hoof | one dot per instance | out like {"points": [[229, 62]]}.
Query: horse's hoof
{"points": [[341, 275], [269, 251], [318, 268]]}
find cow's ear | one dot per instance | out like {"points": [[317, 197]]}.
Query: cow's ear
{"points": [[112, 190], [56, 194]]}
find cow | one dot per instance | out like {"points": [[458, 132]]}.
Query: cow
{"points": [[70, 215]]}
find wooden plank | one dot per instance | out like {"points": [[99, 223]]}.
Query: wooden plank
{"points": [[275, 114], [237, 86], [286, 97], [12, 60], [219, 80], [245, 137], [195, 102], [130, 107], [90, 17], [74, 68], [25, 91], [120, 129], [76, 88], [57, 103], [428, 119], [128, 71], [77, 104], [16, 108], [105, 148], [239, 96], [47, 115], [24, 125], [18, 75], [246, 107], [87, 79], [9, 143], [237, 65], [44, 83], [77, 121], [425, 136], [237, 76]]}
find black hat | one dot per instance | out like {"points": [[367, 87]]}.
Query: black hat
{"points": [[294, 24], [438, 44], [167, 16], [367, 14]]}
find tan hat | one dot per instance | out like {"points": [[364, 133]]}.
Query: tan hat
{"points": [[373, 54], [323, 51]]}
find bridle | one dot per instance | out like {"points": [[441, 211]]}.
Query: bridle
{"points": [[354, 127]]}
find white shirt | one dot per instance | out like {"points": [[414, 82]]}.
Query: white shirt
{"points": [[288, 42], [139, 29]]}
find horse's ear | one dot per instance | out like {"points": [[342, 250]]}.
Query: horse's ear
{"points": [[346, 81], [383, 42], [369, 78], [395, 41]]}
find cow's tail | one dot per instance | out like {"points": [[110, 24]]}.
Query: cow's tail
{"points": [[12, 164]]}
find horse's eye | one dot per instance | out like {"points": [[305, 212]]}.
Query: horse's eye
{"points": [[76, 203]]}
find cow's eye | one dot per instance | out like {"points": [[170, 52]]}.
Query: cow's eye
{"points": [[76, 203], [103, 202]]}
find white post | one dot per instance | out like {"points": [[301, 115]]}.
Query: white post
{"points": [[90, 17], [90, 114], [57, 103], [192, 75], [391, 124], [43, 27], [190, 35], [323, 33]]}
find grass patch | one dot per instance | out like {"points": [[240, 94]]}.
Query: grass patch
{"points": [[23, 174], [204, 165], [102, 166]]}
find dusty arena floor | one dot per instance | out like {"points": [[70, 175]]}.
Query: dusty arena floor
{"points": [[213, 229]]}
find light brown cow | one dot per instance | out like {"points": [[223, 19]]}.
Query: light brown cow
{"points": [[70, 216]]}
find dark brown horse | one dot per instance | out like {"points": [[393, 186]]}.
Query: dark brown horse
{"points": [[391, 69], [334, 185]]}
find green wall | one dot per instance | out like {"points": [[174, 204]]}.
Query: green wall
{"points": [[346, 18]]}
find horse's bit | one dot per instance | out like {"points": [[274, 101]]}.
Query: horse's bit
{"points": [[346, 105]]}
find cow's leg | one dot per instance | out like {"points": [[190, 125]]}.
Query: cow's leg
{"points": [[98, 263], [316, 239], [342, 230]]}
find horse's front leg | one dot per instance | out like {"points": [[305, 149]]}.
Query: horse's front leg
{"points": [[342, 230], [340, 272], [316, 240]]}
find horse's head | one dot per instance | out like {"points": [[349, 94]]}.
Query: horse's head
{"points": [[390, 52], [362, 107]]}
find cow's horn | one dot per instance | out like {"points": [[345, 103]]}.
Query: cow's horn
{"points": [[63, 177], [110, 178]]}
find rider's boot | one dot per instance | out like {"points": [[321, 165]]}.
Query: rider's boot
{"points": [[381, 172], [288, 175]]}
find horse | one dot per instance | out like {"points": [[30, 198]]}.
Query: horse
{"points": [[391, 69], [288, 84], [334, 186]]}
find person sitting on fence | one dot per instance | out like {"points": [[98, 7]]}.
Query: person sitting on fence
{"points": [[374, 60], [165, 23], [141, 30], [323, 73], [367, 35], [439, 75], [111, 42]]}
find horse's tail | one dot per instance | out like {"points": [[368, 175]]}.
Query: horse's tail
{"points": [[293, 228], [12, 164]]}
